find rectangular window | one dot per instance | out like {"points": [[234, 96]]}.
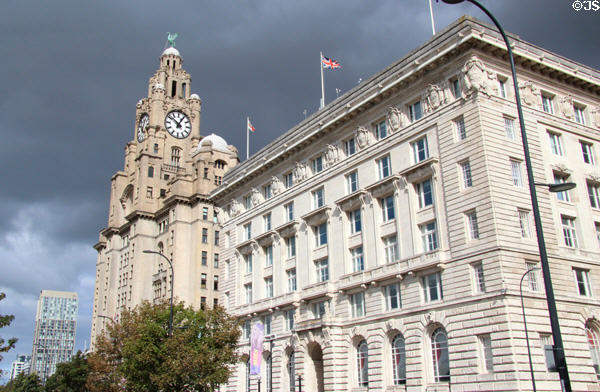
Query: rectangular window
{"points": [[391, 293], [204, 258], [318, 198], [150, 171], [532, 277], [149, 192], [455, 88], [432, 287], [352, 182], [248, 291], [204, 235], [429, 236], [248, 231], [216, 282], [555, 143], [425, 193], [390, 247], [485, 347], [247, 202], [358, 262], [289, 319], [317, 165], [291, 278], [547, 346], [322, 268], [561, 179], [217, 237], [203, 281], [380, 130], [478, 277], [246, 329], [547, 104], [594, 194], [350, 147], [517, 173], [289, 212], [267, 221], [268, 255], [321, 235], [420, 150], [472, 225], [502, 87], [290, 244], [288, 180], [267, 324], [415, 111], [269, 287], [509, 128], [319, 309], [384, 167], [387, 208], [204, 213], [569, 232], [355, 221], [597, 226], [461, 129], [357, 300], [216, 260], [267, 192], [588, 152], [248, 263], [582, 280], [525, 223], [465, 169], [579, 114]]}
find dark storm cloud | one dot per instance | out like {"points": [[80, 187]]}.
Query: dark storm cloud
{"points": [[71, 73]]}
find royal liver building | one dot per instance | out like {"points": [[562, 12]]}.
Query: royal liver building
{"points": [[382, 241]]}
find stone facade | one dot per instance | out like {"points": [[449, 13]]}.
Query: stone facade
{"points": [[159, 202], [390, 256]]}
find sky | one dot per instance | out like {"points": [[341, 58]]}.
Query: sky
{"points": [[72, 71]]}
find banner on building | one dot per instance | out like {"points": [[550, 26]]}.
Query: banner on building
{"points": [[256, 347]]}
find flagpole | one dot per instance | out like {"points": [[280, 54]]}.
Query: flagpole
{"points": [[247, 138], [322, 82], [432, 21]]}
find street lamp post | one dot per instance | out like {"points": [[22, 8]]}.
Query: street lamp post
{"points": [[525, 324], [170, 333], [559, 353]]}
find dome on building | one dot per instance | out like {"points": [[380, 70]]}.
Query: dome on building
{"points": [[171, 50], [195, 96], [215, 142]]}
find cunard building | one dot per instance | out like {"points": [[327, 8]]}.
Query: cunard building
{"points": [[382, 241]]}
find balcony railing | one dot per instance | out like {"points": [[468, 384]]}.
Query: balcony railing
{"points": [[173, 168]]}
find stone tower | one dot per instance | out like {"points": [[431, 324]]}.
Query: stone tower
{"points": [[159, 202]]}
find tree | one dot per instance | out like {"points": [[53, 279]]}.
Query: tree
{"points": [[24, 383], [137, 355], [5, 321], [69, 376]]}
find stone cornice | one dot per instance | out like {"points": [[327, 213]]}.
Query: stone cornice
{"points": [[288, 229], [317, 216], [383, 187], [351, 201], [462, 35]]}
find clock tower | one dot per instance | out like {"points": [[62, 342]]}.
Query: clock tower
{"points": [[158, 202]]}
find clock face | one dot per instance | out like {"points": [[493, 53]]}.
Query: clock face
{"points": [[178, 124], [142, 125]]}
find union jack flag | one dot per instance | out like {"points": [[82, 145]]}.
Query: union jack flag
{"points": [[329, 63]]}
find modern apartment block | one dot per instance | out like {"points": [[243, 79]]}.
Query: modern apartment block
{"points": [[382, 241], [20, 365], [54, 335], [159, 202]]}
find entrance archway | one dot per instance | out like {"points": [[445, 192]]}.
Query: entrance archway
{"points": [[314, 369]]}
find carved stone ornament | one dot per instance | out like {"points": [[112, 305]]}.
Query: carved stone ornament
{"points": [[595, 114], [276, 185], [236, 208], [395, 119], [299, 172], [434, 97], [332, 155], [221, 215], [565, 106], [476, 78], [529, 93], [363, 137], [256, 197]]}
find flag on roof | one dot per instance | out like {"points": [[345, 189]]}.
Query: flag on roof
{"points": [[250, 126], [329, 63]]}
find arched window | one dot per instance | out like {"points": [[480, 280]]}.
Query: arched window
{"points": [[593, 338], [399, 359], [439, 355], [362, 361], [291, 369]]}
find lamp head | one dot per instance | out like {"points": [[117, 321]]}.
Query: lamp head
{"points": [[452, 1], [561, 187]]}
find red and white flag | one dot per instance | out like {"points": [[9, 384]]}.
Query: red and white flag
{"points": [[250, 126]]}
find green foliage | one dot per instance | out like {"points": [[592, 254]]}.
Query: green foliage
{"points": [[5, 321], [69, 376], [138, 356], [24, 383]]}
